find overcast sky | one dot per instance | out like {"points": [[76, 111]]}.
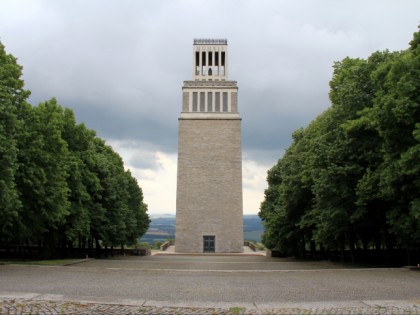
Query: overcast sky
{"points": [[120, 66]]}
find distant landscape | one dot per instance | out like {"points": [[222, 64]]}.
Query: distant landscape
{"points": [[162, 228]]}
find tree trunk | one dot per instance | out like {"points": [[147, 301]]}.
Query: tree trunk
{"points": [[90, 245], [7, 248], [351, 240], [98, 248], [20, 251], [80, 241], [322, 252], [408, 257], [301, 248], [365, 249], [389, 244], [330, 254], [342, 249], [71, 249], [50, 245], [63, 245]]}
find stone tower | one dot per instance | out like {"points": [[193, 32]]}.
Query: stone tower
{"points": [[209, 187]]}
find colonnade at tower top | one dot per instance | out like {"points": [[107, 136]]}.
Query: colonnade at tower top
{"points": [[210, 60]]}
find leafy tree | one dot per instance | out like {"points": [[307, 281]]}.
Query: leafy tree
{"points": [[269, 210], [287, 200], [59, 183], [42, 174], [109, 171], [138, 219], [396, 117], [124, 218], [342, 156], [83, 184], [12, 97], [352, 176]]}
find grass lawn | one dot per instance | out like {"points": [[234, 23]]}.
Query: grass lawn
{"points": [[55, 262]]}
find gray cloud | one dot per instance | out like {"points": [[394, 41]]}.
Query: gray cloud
{"points": [[121, 65], [144, 160]]}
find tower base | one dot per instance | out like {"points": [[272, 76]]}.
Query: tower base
{"points": [[209, 190]]}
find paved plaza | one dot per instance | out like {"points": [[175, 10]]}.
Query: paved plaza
{"points": [[207, 284]]}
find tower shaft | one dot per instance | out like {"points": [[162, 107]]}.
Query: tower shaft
{"points": [[209, 187]]}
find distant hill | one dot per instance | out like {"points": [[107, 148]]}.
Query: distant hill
{"points": [[253, 228], [162, 228]]}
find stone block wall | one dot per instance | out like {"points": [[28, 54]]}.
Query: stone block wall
{"points": [[209, 188]]}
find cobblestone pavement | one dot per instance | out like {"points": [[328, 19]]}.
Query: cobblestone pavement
{"points": [[12, 306]]}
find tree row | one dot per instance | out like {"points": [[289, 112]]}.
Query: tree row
{"points": [[350, 181], [61, 186]]}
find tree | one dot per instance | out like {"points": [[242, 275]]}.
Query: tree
{"points": [[83, 184], [60, 183], [123, 215], [12, 97], [137, 221], [396, 117], [42, 174], [352, 176], [287, 199]]}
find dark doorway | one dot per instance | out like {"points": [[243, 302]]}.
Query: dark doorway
{"points": [[209, 243]]}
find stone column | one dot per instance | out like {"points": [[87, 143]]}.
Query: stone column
{"points": [[206, 105], [212, 61], [220, 63], [200, 57], [226, 65], [194, 63], [207, 61]]}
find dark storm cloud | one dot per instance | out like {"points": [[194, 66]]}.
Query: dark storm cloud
{"points": [[120, 65], [113, 123]]}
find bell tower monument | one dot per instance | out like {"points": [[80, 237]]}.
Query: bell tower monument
{"points": [[209, 182]]}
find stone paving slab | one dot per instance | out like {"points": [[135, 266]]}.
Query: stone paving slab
{"points": [[201, 304], [42, 305], [122, 287], [247, 252], [260, 287], [218, 263]]}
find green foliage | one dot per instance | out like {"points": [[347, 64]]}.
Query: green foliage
{"points": [[143, 245], [235, 310], [56, 262], [42, 174], [12, 97], [353, 176], [60, 185]]}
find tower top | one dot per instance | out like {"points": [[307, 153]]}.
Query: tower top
{"points": [[209, 41], [210, 59]]}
